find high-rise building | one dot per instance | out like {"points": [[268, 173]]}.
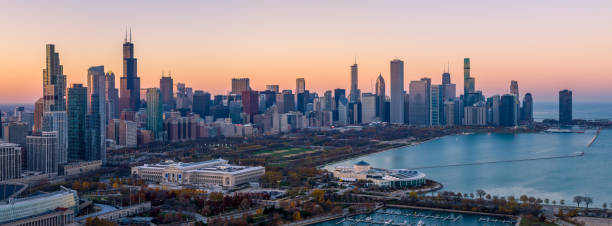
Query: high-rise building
{"points": [[10, 161], [96, 111], [155, 119], [420, 102], [300, 85], [327, 102], [507, 112], [239, 85], [565, 106], [54, 82], [39, 108], [112, 97], [42, 152], [436, 105], [77, 112], [474, 115], [380, 97], [449, 113], [273, 88], [368, 107], [468, 81], [15, 132], [493, 108], [250, 104], [527, 109], [166, 86], [57, 121], [397, 91], [354, 92], [130, 82], [446, 78], [285, 101], [514, 88], [201, 103], [302, 101], [338, 94]]}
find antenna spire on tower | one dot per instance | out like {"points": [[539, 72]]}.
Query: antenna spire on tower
{"points": [[125, 39], [130, 34]]}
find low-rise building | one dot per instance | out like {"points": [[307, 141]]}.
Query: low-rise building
{"points": [[75, 168], [215, 172], [55, 208], [382, 177]]}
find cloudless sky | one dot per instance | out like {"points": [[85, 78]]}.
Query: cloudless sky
{"points": [[545, 45]]}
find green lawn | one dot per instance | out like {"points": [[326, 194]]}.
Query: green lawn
{"points": [[531, 221], [282, 152]]}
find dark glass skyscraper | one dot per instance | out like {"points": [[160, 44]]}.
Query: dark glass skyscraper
{"points": [[508, 111], [130, 83], [201, 103], [565, 106], [77, 111], [527, 109]]}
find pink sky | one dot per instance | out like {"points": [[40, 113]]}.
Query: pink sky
{"points": [[547, 46]]}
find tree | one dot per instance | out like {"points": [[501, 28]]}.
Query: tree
{"points": [[554, 202], [578, 199], [562, 202], [546, 201], [471, 195], [297, 216], [524, 198], [480, 193], [604, 205], [318, 195], [488, 196], [587, 201]]}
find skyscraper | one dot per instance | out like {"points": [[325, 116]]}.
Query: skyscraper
{"points": [[300, 85], [130, 83], [96, 110], [397, 91], [420, 102], [514, 88], [58, 122], [77, 111], [328, 101], [273, 88], [493, 108], [39, 108], [112, 97], [250, 104], [527, 109], [468, 81], [166, 86], [354, 92], [368, 107], [380, 97], [239, 85], [42, 152], [10, 161], [507, 112], [54, 82], [155, 119], [201, 103], [565, 106], [436, 105], [302, 101]]}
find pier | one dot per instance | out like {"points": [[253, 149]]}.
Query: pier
{"points": [[594, 138]]}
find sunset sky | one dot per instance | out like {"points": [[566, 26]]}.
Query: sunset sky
{"points": [[545, 45]]}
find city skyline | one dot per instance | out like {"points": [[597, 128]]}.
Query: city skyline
{"points": [[206, 54]]}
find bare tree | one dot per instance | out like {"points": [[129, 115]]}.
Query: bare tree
{"points": [[578, 199], [587, 201], [480, 193]]}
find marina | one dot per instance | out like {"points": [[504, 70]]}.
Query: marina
{"points": [[406, 217]]}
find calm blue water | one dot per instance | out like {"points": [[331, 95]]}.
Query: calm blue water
{"points": [[552, 178], [580, 110], [465, 219]]}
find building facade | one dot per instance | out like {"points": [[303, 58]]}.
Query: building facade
{"points": [[10, 161], [208, 173], [397, 91], [43, 152], [76, 113], [565, 107]]}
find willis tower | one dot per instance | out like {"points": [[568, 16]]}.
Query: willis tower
{"points": [[130, 83]]}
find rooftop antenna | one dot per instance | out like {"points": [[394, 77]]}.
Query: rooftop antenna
{"points": [[355, 59], [130, 34], [125, 39]]}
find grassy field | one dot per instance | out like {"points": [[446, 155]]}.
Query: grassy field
{"points": [[282, 153], [532, 221]]}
